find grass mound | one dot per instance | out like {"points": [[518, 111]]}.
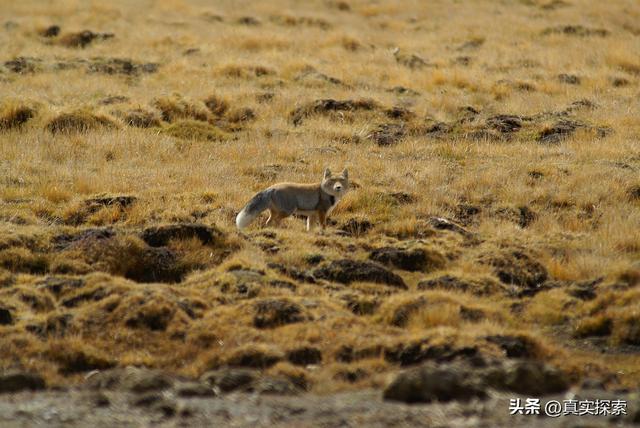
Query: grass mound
{"points": [[175, 108], [79, 121], [194, 130], [14, 115]]}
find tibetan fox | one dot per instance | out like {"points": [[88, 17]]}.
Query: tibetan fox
{"points": [[315, 201]]}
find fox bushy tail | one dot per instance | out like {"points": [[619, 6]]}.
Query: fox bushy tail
{"points": [[256, 205]]}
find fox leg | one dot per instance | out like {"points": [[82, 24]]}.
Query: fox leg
{"points": [[311, 219], [322, 217], [274, 218]]}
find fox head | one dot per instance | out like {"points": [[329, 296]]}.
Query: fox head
{"points": [[336, 185]]}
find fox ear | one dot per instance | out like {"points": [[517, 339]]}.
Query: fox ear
{"points": [[327, 173], [345, 173]]}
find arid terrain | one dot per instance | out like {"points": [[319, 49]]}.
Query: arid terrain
{"points": [[489, 246]]}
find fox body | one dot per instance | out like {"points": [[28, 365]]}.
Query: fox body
{"points": [[315, 201]]}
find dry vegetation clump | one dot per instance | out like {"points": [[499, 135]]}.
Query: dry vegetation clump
{"points": [[176, 107], [79, 121], [195, 130], [141, 118], [14, 115]]}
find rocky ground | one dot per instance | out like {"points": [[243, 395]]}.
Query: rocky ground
{"points": [[455, 397]]}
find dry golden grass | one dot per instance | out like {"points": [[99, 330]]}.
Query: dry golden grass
{"points": [[191, 108]]}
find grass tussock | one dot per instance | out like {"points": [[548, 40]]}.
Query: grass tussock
{"points": [[79, 121], [176, 107], [195, 131], [15, 115]]}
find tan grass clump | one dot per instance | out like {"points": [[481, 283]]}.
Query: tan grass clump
{"points": [[14, 115], [79, 121], [195, 131], [176, 107]]}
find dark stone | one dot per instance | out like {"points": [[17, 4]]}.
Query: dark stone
{"points": [[347, 271]]}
